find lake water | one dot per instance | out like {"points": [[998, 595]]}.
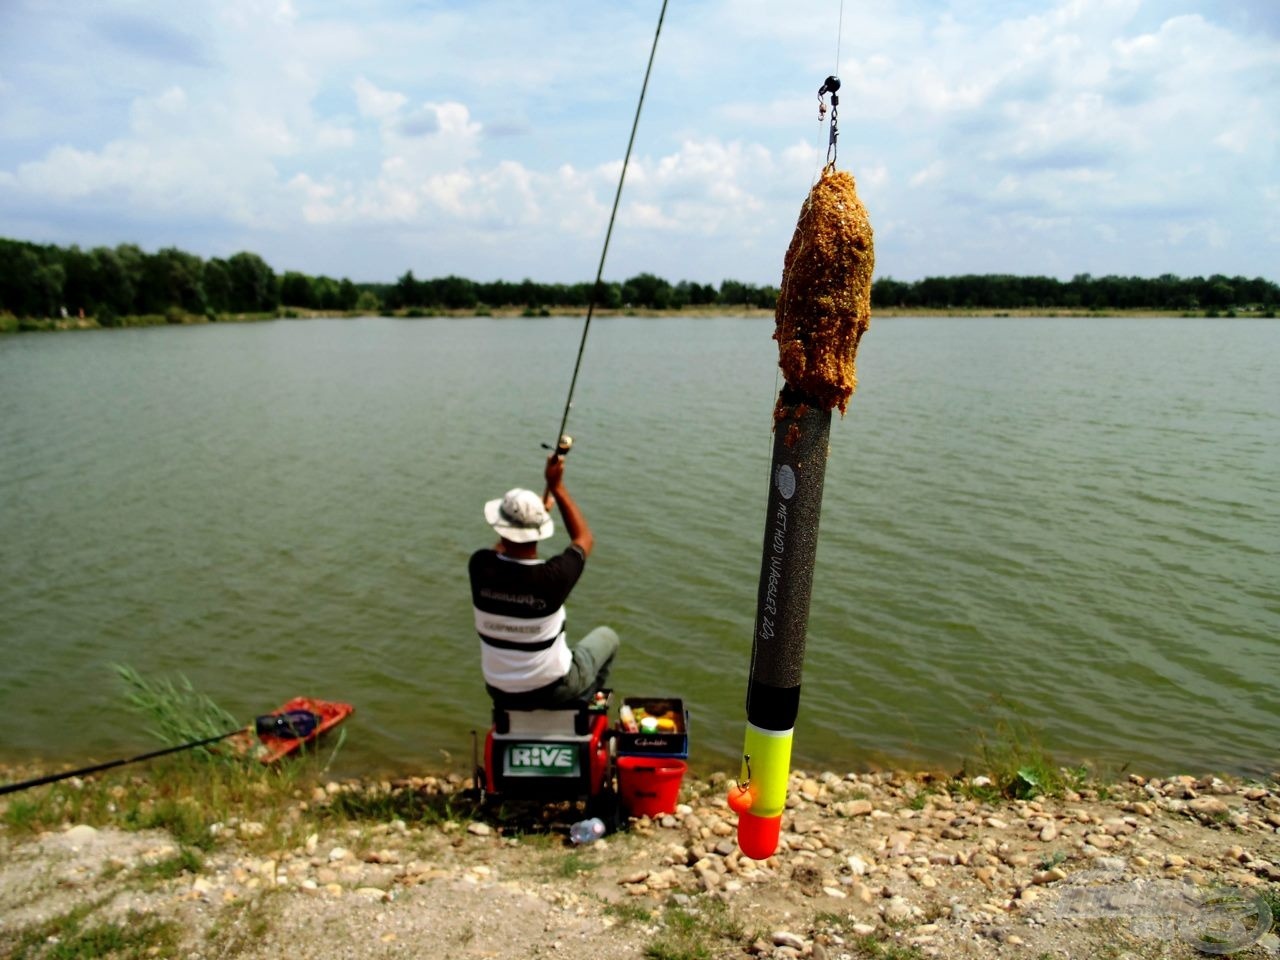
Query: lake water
{"points": [[1073, 520]]}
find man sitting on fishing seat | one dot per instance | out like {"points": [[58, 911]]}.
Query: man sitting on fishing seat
{"points": [[519, 603]]}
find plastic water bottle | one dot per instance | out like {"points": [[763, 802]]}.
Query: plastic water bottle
{"points": [[587, 831]]}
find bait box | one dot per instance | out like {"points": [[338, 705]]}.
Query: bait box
{"points": [[668, 743]]}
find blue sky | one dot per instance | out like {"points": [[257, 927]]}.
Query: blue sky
{"points": [[484, 138]]}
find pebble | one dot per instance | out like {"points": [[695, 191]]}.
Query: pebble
{"points": [[479, 828], [1052, 875], [80, 833], [896, 910], [854, 808], [785, 938], [1208, 806]]}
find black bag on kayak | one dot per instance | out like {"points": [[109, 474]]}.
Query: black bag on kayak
{"points": [[292, 724]]}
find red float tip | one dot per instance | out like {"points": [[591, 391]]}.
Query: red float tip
{"points": [[758, 836]]}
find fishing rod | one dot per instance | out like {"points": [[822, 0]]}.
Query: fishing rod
{"points": [[294, 723], [98, 767], [563, 443]]}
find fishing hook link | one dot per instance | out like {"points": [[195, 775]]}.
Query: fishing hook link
{"points": [[830, 86]]}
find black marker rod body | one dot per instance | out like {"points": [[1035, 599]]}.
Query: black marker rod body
{"points": [[800, 448]]}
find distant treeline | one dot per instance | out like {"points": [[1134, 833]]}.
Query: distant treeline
{"points": [[1003, 292], [110, 284]]}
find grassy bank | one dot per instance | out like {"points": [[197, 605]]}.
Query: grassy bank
{"points": [[197, 857]]}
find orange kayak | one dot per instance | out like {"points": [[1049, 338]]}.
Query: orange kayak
{"points": [[270, 747]]}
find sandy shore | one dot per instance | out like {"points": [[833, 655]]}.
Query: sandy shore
{"points": [[870, 865]]}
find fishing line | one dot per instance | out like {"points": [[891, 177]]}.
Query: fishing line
{"points": [[617, 197], [839, 36]]}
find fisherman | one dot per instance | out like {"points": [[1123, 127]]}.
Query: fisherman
{"points": [[519, 602]]}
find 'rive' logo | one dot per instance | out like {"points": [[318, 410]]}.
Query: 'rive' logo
{"points": [[541, 760]]}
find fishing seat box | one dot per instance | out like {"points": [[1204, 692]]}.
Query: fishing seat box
{"points": [[673, 744], [560, 753]]}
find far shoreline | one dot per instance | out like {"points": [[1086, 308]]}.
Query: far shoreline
{"points": [[11, 324]]}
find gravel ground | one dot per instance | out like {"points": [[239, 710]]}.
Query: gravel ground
{"points": [[870, 865]]}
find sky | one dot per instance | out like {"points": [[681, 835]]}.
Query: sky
{"points": [[484, 138]]}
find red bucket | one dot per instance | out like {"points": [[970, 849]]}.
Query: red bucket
{"points": [[649, 786]]}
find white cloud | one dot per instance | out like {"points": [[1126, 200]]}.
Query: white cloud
{"points": [[376, 103], [1083, 123], [928, 174]]}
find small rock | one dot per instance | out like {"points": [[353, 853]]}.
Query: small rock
{"points": [[854, 808], [372, 893], [1051, 875], [785, 938], [896, 910], [1208, 807], [479, 828], [338, 853], [81, 833]]}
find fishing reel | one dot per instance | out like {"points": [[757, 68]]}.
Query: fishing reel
{"points": [[562, 447]]}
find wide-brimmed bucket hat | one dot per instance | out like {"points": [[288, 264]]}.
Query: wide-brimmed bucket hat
{"points": [[520, 516]]}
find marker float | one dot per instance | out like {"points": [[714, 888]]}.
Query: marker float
{"points": [[823, 310]]}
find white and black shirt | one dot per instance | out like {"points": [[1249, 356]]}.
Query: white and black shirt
{"points": [[520, 616]]}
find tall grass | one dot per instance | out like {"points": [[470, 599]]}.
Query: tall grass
{"points": [[1013, 755], [178, 712]]}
